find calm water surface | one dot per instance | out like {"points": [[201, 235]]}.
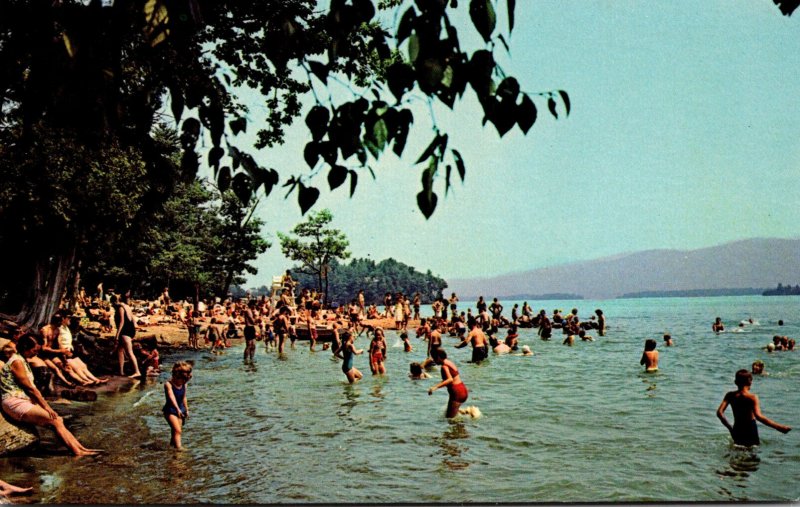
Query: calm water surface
{"points": [[579, 424]]}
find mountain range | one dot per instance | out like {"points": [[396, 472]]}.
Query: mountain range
{"points": [[759, 263]]}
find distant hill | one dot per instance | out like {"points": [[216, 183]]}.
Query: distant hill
{"points": [[752, 263]]}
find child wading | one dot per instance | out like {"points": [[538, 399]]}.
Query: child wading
{"points": [[176, 408], [746, 411]]}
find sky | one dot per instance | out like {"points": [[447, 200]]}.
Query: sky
{"points": [[684, 133]]}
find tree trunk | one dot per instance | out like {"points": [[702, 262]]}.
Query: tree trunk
{"points": [[228, 281], [49, 283]]}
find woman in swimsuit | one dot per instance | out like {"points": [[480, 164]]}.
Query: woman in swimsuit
{"points": [[746, 411], [126, 330], [452, 380], [346, 353], [649, 356], [176, 408]]}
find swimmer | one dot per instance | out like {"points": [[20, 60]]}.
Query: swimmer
{"points": [[668, 340], [346, 352], [746, 411], [415, 372], [451, 379], [526, 351], [406, 344], [758, 367], [650, 356], [498, 347], [718, 326]]}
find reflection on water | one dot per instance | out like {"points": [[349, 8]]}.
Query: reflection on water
{"points": [[452, 449], [742, 462]]}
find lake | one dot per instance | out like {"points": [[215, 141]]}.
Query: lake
{"points": [[568, 424]]}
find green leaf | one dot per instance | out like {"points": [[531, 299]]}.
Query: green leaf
{"points": [[400, 78], [238, 125], [429, 150], [447, 170], [353, 182], [413, 48], [406, 25], [483, 17], [565, 98], [426, 201], [319, 69], [306, 197], [176, 103], [511, 4], [551, 105], [311, 154], [404, 121], [462, 169], [505, 44], [526, 114], [317, 122], [336, 176], [224, 179], [242, 187], [508, 89], [365, 10], [379, 134], [214, 156]]}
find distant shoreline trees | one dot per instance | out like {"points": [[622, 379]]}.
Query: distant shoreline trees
{"points": [[783, 290]]}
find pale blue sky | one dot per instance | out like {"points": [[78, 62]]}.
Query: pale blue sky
{"points": [[684, 133]]}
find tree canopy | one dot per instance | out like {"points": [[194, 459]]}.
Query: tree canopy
{"points": [[315, 246]]}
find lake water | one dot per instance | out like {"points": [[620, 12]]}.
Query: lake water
{"points": [[579, 424]]}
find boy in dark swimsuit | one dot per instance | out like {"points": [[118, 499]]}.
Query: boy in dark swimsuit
{"points": [[746, 410]]}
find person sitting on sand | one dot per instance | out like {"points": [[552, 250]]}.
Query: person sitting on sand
{"points": [[746, 411], [650, 356], [23, 402]]}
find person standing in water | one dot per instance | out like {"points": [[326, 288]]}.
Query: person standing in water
{"points": [[250, 331], [650, 356], [451, 379], [126, 330], [746, 411], [480, 351], [346, 352], [176, 408]]}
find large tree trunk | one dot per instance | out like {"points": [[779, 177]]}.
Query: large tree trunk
{"points": [[49, 283]]}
